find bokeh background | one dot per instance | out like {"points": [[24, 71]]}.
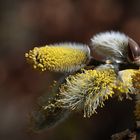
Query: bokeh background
{"points": [[25, 24]]}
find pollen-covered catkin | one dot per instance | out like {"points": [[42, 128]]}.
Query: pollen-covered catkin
{"points": [[66, 57], [124, 84], [136, 81], [87, 90]]}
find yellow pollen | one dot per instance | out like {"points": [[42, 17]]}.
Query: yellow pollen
{"points": [[124, 83], [136, 81], [88, 89], [58, 57]]}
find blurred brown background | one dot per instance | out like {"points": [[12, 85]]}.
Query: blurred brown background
{"points": [[25, 24]]}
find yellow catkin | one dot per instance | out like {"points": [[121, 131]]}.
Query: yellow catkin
{"points": [[88, 90], [124, 83], [129, 83], [62, 57], [136, 80]]}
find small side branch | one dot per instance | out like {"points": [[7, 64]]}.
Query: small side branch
{"points": [[124, 135]]}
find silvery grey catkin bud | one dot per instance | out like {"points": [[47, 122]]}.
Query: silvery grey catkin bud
{"points": [[116, 47]]}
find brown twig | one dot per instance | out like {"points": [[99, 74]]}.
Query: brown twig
{"points": [[124, 135]]}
